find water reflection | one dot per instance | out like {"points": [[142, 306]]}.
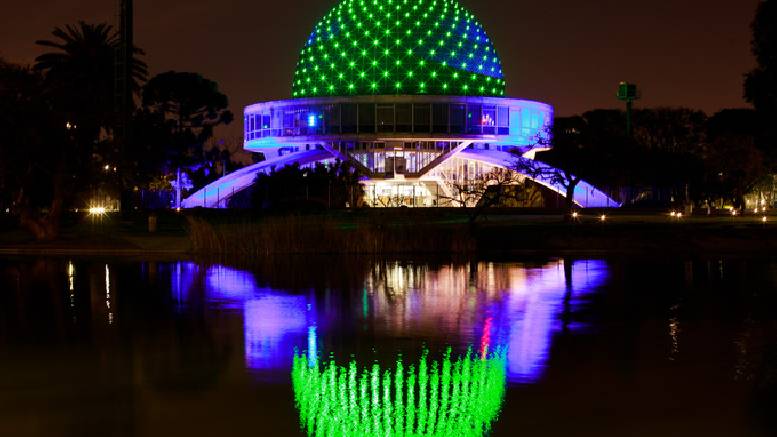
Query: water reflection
{"points": [[204, 349], [513, 306], [274, 322], [447, 397]]}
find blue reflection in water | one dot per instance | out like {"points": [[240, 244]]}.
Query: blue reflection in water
{"points": [[274, 322], [273, 325], [502, 305], [535, 313], [183, 278]]}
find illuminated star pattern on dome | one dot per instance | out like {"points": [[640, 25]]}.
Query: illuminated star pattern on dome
{"points": [[398, 47]]}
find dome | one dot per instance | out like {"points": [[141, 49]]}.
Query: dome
{"points": [[398, 47]]}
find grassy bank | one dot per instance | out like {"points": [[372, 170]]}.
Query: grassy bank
{"points": [[444, 232], [404, 232]]}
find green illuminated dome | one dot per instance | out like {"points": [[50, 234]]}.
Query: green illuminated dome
{"points": [[408, 47]]}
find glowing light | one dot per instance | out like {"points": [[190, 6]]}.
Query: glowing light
{"points": [[603, 218], [353, 31], [446, 397], [575, 215], [763, 219], [97, 210]]}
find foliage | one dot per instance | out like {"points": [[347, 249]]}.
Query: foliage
{"points": [[80, 74], [180, 111], [761, 83], [293, 187], [54, 121], [34, 146], [497, 188]]}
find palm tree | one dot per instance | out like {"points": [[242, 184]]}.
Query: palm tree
{"points": [[80, 73]]}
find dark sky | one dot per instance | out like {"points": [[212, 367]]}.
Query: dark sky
{"points": [[571, 54]]}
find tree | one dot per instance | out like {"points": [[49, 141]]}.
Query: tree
{"points": [[80, 74], [570, 156], [761, 82], [500, 187], [321, 187], [72, 101], [36, 163], [733, 163], [186, 107]]}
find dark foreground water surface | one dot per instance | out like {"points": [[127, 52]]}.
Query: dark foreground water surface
{"points": [[531, 347]]}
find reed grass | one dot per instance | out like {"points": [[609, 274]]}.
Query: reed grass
{"points": [[299, 234]]}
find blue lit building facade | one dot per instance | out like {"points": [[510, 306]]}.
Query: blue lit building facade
{"points": [[412, 93]]}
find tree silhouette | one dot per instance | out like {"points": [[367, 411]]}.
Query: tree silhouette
{"points": [[80, 74], [186, 107]]}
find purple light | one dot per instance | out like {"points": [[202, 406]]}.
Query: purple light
{"points": [[273, 325], [535, 311], [274, 322]]}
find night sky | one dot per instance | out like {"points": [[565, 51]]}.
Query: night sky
{"points": [[571, 54]]}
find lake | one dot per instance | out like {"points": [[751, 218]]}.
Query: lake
{"points": [[638, 346]]}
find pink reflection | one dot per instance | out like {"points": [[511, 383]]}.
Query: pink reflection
{"points": [[504, 304]]}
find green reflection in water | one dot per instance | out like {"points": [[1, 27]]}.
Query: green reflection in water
{"points": [[460, 396]]}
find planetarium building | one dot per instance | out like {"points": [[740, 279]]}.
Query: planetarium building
{"points": [[412, 93]]}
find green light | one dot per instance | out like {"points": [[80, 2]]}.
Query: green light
{"points": [[357, 34], [439, 398]]}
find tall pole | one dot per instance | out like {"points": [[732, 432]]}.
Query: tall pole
{"points": [[629, 126], [124, 96]]}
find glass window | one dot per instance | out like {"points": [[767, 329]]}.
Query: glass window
{"points": [[386, 118], [488, 120], [367, 118], [404, 118], [421, 118], [458, 118], [440, 118], [474, 116], [503, 116], [348, 116], [332, 119]]}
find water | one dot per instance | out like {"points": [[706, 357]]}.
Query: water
{"points": [[539, 347]]}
